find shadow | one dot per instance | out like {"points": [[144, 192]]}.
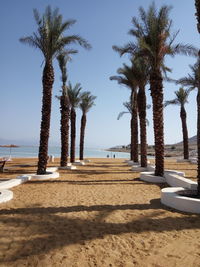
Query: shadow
{"points": [[40, 230], [9, 171], [93, 172], [91, 182], [106, 166]]}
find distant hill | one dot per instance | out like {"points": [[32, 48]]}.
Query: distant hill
{"points": [[192, 140]]}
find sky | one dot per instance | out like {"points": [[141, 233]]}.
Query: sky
{"points": [[103, 23]]}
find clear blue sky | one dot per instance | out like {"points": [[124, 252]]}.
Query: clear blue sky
{"points": [[103, 23]]}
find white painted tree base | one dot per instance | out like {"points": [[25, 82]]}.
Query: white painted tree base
{"points": [[175, 180], [9, 183], [167, 172], [47, 176], [170, 198], [79, 163], [5, 195], [138, 169], [87, 160], [182, 160], [151, 168], [51, 169], [193, 162], [132, 163], [151, 178], [68, 168]]}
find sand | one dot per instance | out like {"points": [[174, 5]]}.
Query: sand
{"points": [[98, 215]]}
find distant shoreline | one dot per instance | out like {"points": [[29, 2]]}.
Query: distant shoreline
{"points": [[170, 150]]}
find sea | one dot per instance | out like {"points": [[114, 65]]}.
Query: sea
{"points": [[32, 152]]}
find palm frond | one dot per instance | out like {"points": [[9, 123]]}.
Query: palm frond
{"points": [[171, 102], [121, 114], [50, 36], [87, 101]]}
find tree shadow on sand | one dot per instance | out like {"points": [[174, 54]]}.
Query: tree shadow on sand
{"points": [[40, 230]]}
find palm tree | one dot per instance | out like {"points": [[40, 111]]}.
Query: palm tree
{"points": [[87, 102], [63, 59], [180, 100], [126, 78], [74, 98], [50, 40], [128, 106], [153, 42], [197, 5], [141, 75], [193, 82]]}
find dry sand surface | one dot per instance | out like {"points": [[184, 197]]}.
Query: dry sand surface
{"points": [[98, 215]]}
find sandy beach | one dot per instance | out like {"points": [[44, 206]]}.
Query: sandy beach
{"points": [[98, 215]]}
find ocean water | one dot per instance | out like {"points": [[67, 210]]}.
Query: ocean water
{"points": [[32, 152]]}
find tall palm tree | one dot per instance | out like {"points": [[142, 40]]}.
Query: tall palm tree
{"points": [[126, 78], [63, 59], [87, 102], [50, 39], [141, 75], [128, 106], [74, 98], [197, 6], [193, 82], [180, 100], [153, 42]]}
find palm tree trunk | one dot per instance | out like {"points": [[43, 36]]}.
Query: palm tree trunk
{"points": [[156, 88], [132, 137], [135, 133], [142, 116], [82, 135], [198, 140], [73, 135], [185, 133], [47, 80], [197, 6], [134, 126], [65, 113]]}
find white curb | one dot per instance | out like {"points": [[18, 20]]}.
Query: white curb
{"points": [[87, 160], [51, 169], [139, 169], [168, 172], [175, 180], [79, 163], [170, 198], [151, 178], [182, 160], [48, 175], [5, 195], [14, 182], [68, 168]]}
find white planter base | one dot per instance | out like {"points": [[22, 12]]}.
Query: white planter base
{"points": [[166, 172], [6, 184], [132, 163], [151, 178], [139, 169], [52, 169], [182, 160], [87, 160], [79, 163], [68, 168], [170, 198], [151, 168], [175, 180], [47, 176], [5, 195]]}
